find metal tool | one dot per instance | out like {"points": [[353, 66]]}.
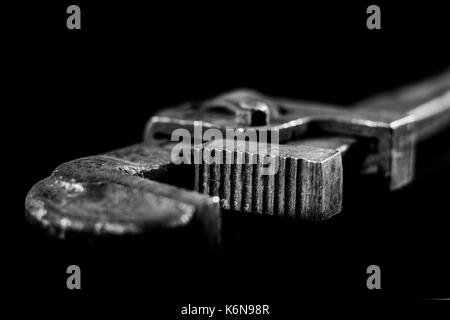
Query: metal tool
{"points": [[120, 193], [127, 191], [385, 129], [308, 182]]}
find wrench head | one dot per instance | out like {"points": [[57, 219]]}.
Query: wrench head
{"points": [[113, 194], [280, 180], [389, 135]]}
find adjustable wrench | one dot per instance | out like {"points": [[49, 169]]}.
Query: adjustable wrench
{"points": [[126, 191], [380, 132]]}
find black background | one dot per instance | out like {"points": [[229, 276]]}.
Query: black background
{"points": [[81, 92]]}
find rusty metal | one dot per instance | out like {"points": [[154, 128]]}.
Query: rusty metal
{"points": [[385, 127], [119, 193], [126, 191], [307, 184]]}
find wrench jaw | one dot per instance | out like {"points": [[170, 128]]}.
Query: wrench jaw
{"points": [[108, 196], [391, 152], [240, 108], [52, 205], [389, 139], [306, 182], [389, 135], [402, 152]]}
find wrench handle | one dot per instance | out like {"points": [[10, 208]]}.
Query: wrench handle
{"points": [[428, 101]]}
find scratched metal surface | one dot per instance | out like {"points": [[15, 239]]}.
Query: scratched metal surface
{"points": [[306, 181], [124, 192], [114, 194]]}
